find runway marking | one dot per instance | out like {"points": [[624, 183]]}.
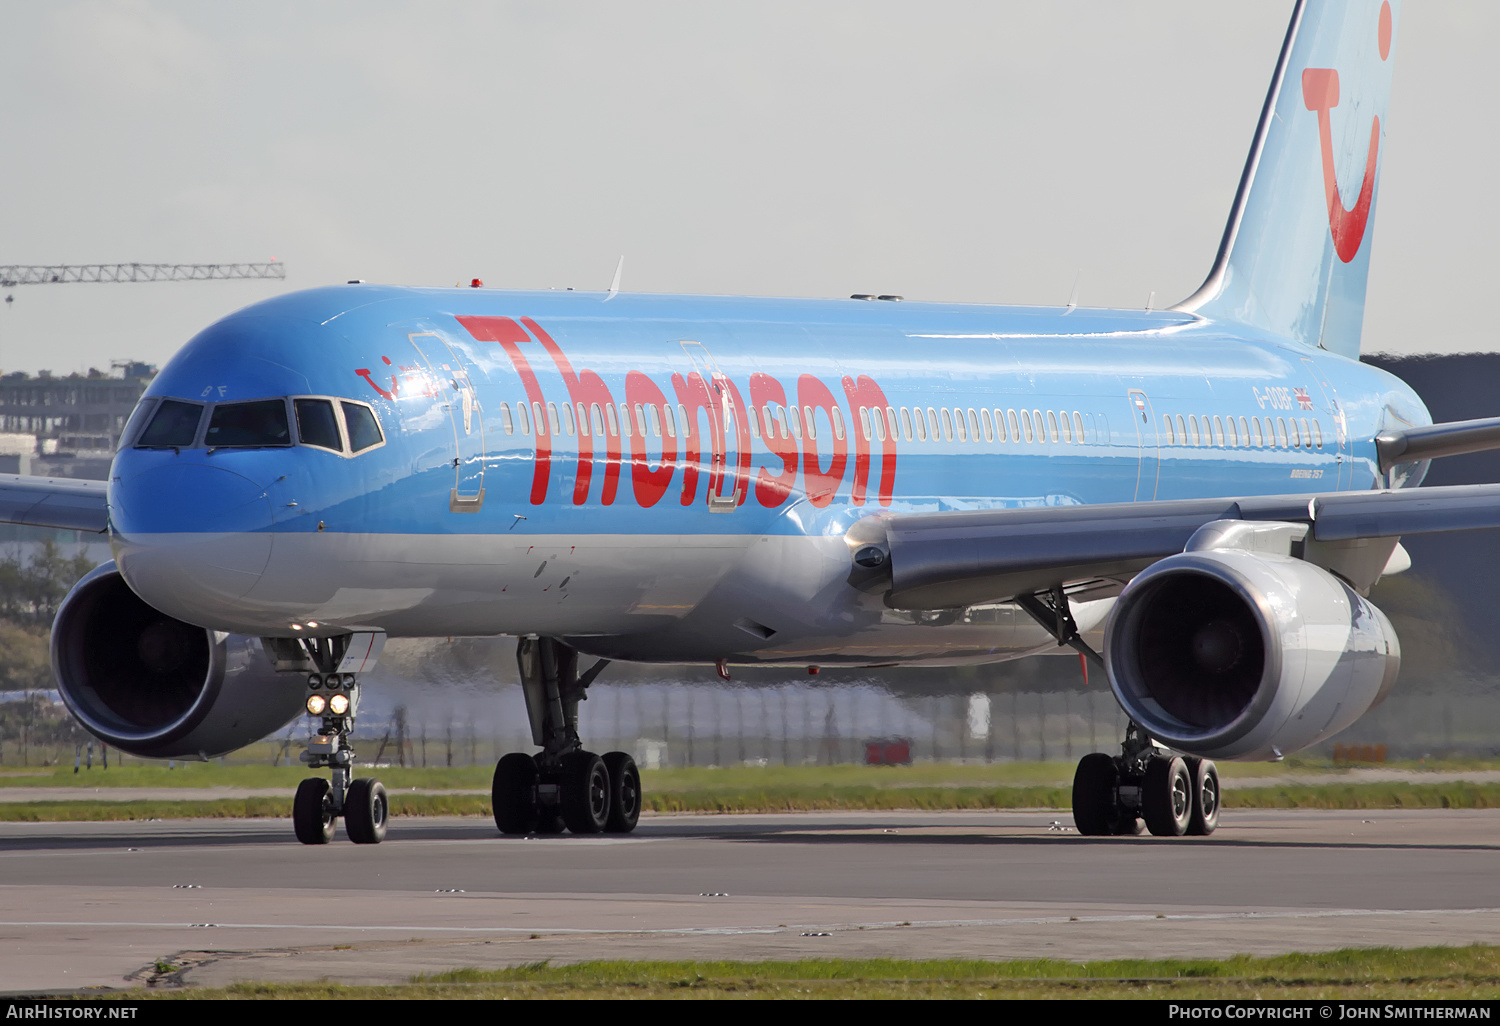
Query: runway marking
{"points": [[789, 928], [166, 849]]}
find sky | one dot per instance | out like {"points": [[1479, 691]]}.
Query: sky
{"points": [[983, 152]]}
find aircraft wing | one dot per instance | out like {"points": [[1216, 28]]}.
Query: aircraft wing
{"points": [[67, 503], [965, 557]]}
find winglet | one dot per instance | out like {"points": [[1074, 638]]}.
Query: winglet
{"points": [[614, 286]]}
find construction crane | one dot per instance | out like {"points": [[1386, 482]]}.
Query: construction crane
{"points": [[12, 275]]}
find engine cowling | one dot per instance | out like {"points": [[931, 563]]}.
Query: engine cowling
{"points": [[157, 687], [1234, 654]]}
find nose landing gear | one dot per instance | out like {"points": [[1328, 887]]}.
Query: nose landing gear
{"points": [[562, 786], [334, 697]]}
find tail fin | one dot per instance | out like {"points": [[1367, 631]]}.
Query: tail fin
{"points": [[1294, 259]]}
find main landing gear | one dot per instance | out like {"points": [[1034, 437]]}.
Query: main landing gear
{"points": [[1175, 795], [362, 803], [562, 786]]}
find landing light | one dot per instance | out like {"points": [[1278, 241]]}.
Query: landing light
{"points": [[316, 704], [338, 704]]}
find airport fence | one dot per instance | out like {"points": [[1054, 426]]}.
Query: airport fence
{"points": [[687, 725]]}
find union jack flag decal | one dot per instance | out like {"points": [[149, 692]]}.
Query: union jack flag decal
{"points": [[1303, 399]]}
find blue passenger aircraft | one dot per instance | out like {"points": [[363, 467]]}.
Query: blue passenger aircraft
{"points": [[1213, 489]]}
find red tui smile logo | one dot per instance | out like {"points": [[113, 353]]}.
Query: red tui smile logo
{"points": [[1320, 92]]}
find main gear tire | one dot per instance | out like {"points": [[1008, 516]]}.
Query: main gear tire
{"points": [[624, 793], [513, 794], [585, 793], [1167, 797], [1206, 796], [1095, 803]]}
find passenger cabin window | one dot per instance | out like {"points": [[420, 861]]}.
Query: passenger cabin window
{"points": [[249, 425], [316, 424], [175, 426], [364, 430]]}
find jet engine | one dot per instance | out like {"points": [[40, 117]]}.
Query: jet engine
{"points": [[157, 687], [1232, 654]]}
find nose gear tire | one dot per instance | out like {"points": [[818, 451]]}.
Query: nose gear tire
{"points": [[312, 811], [366, 810]]}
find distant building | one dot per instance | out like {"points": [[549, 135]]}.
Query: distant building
{"points": [[67, 427]]}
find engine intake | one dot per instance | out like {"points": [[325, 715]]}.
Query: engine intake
{"points": [[157, 687], [1231, 654]]}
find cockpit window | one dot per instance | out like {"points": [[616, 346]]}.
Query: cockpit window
{"points": [[175, 426], [316, 424], [363, 429], [249, 424], [138, 418]]}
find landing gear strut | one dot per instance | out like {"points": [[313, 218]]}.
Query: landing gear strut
{"points": [[1175, 795], [562, 786], [334, 697]]}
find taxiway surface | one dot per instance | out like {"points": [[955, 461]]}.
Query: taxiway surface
{"points": [[97, 904]]}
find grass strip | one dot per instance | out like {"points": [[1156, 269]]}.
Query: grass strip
{"points": [[1453, 795], [211, 774], [1398, 795], [1386, 973], [819, 799]]}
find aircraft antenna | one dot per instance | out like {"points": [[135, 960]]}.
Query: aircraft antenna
{"points": [[1073, 296], [614, 286]]}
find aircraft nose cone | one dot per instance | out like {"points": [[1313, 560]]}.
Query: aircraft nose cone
{"points": [[189, 538]]}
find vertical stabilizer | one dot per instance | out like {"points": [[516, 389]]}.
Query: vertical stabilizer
{"points": [[1295, 256]]}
